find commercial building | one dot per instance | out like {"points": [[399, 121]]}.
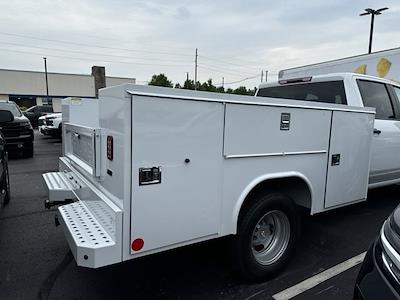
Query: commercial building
{"points": [[28, 88]]}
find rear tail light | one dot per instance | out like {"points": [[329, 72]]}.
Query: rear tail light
{"points": [[110, 147]]}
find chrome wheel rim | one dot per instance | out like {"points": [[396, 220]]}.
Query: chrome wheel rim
{"points": [[270, 237]]}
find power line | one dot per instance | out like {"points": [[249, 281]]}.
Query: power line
{"points": [[225, 71], [90, 59], [219, 71], [241, 80], [141, 42], [228, 63], [89, 53], [92, 46]]}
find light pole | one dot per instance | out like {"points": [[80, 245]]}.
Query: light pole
{"points": [[373, 13], [47, 83]]}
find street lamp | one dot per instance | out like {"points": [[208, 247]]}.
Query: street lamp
{"points": [[373, 13], [47, 84]]}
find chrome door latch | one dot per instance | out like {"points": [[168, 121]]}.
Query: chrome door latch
{"points": [[285, 121]]}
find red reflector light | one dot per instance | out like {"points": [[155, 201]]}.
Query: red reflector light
{"points": [[137, 244], [110, 147]]}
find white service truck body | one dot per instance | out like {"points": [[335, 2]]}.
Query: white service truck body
{"points": [[156, 168], [383, 64]]}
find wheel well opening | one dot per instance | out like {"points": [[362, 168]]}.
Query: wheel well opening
{"points": [[293, 187]]}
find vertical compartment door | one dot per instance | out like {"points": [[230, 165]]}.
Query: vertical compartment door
{"points": [[177, 171], [349, 157]]}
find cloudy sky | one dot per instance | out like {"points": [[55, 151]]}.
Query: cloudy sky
{"points": [[235, 39]]}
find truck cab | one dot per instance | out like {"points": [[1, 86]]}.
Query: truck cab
{"points": [[359, 91]]}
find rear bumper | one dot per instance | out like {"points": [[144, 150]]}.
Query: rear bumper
{"points": [[93, 224]]}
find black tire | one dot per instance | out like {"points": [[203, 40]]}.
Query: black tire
{"points": [[28, 150], [59, 134], [252, 260], [5, 185]]}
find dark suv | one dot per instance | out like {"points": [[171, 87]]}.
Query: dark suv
{"points": [[4, 177], [33, 113], [17, 130]]}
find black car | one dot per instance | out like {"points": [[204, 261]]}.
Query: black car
{"points": [[379, 276], [33, 113], [16, 128], [4, 177]]}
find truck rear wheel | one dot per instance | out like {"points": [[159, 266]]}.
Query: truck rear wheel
{"points": [[267, 234]]}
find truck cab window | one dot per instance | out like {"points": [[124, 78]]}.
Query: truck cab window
{"points": [[375, 94], [328, 92], [397, 91]]}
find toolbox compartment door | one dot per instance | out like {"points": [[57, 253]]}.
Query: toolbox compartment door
{"points": [[182, 141], [82, 147], [349, 158]]}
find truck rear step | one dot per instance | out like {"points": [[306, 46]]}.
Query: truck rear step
{"points": [[91, 243], [61, 185]]}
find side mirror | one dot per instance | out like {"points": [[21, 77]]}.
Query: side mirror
{"points": [[6, 116]]}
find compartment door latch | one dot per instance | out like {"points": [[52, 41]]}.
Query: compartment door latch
{"points": [[285, 121], [149, 175], [335, 160]]}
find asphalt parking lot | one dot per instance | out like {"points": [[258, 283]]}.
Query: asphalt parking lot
{"points": [[35, 261]]}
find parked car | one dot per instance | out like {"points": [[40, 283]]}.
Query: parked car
{"points": [[33, 113], [379, 276], [17, 130], [4, 177], [52, 124]]}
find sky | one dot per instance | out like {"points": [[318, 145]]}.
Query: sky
{"points": [[236, 40]]}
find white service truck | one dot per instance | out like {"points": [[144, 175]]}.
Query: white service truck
{"points": [[147, 169]]}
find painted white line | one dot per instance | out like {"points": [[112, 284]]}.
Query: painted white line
{"points": [[319, 278]]}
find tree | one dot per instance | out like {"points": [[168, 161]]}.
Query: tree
{"points": [[160, 80], [241, 90], [220, 89], [208, 86], [188, 84]]}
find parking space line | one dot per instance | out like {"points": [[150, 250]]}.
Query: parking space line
{"points": [[319, 278]]}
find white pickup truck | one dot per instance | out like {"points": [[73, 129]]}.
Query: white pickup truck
{"points": [[361, 91], [51, 124], [149, 169]]}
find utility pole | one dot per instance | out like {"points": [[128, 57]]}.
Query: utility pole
{"points": [[187, 77], [223, 82], [373, 13], [266, 76], [47, 83], [195, 71], [262, 75]]}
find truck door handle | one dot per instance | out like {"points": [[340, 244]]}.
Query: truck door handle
{"points": [[377, 131]]}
